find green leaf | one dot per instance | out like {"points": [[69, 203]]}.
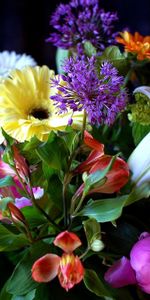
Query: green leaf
{"points": [[138, 193], [21, 282], [104, 210], [6, 181], [95, 285], [33, 216], [61, 55], [28, 150], [42, 289], [4, 295], [108, 210], [118, 59], [89, 49], [92, 230], [97, 178], [29, 296], [54, 152], [139, 132], [55, 191], [10, 241]]}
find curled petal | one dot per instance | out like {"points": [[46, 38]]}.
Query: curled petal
{"points": [[93, 143], [71, 271], [67, 241], [140, 254], [45, 268], [96, 153], [117, 177], [120, 274]]}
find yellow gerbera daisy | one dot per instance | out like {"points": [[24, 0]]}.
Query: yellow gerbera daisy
{"points": [[25, 106]]}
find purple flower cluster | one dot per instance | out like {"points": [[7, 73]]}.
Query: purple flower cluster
{"points": [[80, 21], [101, 95]]}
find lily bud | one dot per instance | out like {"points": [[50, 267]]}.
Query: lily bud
{"points": [[97, 246], [16, 214]]}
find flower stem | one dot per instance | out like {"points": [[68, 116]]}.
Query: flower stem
{"points": [[83, 126], [41, 209]]}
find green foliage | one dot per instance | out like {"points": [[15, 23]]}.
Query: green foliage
{"points": [[95, 285], [89, 49], [108, 210], [10, 241], [54, 152], [21, 282], [118, 59], [92, 230], [139, 132]]}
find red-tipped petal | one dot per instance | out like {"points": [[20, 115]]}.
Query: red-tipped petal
{"points": [[96, 153], [117, 177], [16, 213], [92, 143], [45, 268], [67, 241]]}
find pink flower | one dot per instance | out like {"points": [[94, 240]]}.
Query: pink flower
{"points": [[15, 191], [117, 177], [133, 271], [68, 267]]}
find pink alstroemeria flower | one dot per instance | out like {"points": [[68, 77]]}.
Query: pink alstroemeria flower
{"points": [[135, 270], [117, 177], [68, 267], [14, 191]]}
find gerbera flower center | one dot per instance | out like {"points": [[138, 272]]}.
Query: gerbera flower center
{"points": [[40, 113]]}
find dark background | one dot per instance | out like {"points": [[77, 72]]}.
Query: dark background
{"points": [[24, 24]]}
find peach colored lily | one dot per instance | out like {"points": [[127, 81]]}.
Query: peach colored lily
{"points": [[117, 177], [68, 267]]}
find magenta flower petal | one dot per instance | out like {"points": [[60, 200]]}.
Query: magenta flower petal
{"points": [[140, 254], [22, 202], [120, 274]]}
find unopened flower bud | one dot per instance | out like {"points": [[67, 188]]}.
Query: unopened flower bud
{"points": [[97, 246]]}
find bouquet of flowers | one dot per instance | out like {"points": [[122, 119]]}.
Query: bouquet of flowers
{"points": [[75, 163]]}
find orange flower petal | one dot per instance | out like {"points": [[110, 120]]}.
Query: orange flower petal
{"points": [[96, 153], [71, 271], [45, 268], [67, 241]]}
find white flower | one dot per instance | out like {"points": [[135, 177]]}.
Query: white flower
{"points": [[139, 162], [145, 90], [11, 60]]}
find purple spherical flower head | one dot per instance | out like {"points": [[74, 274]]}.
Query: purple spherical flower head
{"points": [[80, 21], [101, 95]]}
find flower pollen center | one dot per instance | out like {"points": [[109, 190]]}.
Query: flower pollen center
{"points": [[40, 113]]}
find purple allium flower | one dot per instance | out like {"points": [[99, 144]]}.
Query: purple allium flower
{"points": [[101, 95], [133, 271], [80, 21]]}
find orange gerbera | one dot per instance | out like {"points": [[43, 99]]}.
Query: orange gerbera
{"points": [[135, 43]]}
